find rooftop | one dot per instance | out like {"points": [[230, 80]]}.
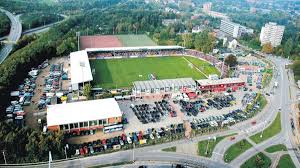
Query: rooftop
{"points": [[82, 111], [80, 67], [204, 82], [133, 48], [157, 84]]}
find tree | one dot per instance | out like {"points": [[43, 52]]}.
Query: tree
{"points": [[231, 60], [187, 40], [205, 42], [267, 48], [288, 47], [87, 90]]}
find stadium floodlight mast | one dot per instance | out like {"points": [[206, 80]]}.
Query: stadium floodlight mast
{"points": [[82, 65], [78, 35]]}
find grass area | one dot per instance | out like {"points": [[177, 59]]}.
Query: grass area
{"points": [[120, 73], [236, 149], [276, 148], [171, 149], [202, 145], [204, 66], [286, 162], [262, 102], [136, 40], [259, 161], [269, 132]]}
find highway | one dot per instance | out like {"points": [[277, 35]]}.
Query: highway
{"points": [[14, 34]]}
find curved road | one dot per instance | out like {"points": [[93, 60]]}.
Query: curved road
{"points": [[14, 34], [281, 100]]}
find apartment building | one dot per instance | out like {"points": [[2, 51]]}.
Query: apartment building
{"points": [[271, 33]]}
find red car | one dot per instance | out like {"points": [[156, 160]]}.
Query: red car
{"points": [[81, 151], [86, 150], [123, 137], [103, 142], [253, 122], [232, 138]]}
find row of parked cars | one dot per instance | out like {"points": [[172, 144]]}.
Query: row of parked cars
{"points": [[147, 113], [51, 85], [22, 96], [218, 102], [115, 143], [248, 98]]}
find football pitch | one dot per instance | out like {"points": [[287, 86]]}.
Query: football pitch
{"points": [[120, 73]]}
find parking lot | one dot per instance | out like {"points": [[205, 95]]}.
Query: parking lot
{"points": [[201, 104]]}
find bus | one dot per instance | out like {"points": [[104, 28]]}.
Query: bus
{"points": [[113, 128]]}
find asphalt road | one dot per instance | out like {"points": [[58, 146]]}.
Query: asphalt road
{"points": [[14, 34], [282, 100]]}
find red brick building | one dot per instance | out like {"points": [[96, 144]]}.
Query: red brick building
{"points": [[220, 85]]}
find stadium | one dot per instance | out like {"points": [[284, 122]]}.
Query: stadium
{"points": [[117, 61]]}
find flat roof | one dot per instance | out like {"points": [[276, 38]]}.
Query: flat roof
{"points": [[82, 111], [132, 48], [80, 67], [205, 82], [157, 84]]}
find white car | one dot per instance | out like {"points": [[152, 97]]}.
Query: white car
{"points": [[157, 135], [129, 139], [151, 136]]}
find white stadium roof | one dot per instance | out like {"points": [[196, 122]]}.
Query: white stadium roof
{"points": [[80, 67], [133, 48], [205, 82], [82, 111]]}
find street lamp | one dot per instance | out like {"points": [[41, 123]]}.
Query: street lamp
{"points": [[261, 135], [207, 145], [66, 147]]}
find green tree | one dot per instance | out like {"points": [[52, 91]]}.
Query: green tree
{"points": [[205, 42], [87, 90], [187, 40], [288, 47], [231, 60]]}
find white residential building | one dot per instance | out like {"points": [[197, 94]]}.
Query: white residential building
{"points": [[233, 29], [271, 33]]}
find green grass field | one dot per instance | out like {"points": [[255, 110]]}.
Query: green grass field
{"points": [[269, 132], [136, 40], [286, 162], [259, 160], [202, 146], [236, 149], [276, 148], [120, 73], [204, 66]]}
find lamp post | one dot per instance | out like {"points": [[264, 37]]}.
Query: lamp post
{"points": [[78, 36], [207, 146], [3, 152], [66, 147]]}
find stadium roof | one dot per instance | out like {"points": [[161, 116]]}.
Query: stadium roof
{"points": [[157, 84], [205, 82], [82, 111], [80, 67], [133, 48]]}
